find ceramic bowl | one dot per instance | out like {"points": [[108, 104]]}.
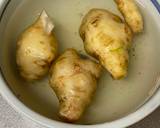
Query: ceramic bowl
{"points": [[116, 104]]}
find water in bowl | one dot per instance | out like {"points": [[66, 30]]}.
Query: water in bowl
{"points": [[113, 99]]}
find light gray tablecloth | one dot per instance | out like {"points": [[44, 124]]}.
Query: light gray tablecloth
{"points": [[9, 118]]}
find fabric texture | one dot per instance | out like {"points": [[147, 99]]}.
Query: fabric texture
{"points": [[9, 118]]}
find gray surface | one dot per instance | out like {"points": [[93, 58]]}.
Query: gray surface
{"points": [[9, 118]]}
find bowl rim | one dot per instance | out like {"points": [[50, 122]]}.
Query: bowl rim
{"points": [[142, 112]]}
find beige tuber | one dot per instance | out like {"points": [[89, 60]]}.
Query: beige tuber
{"points": [[131, 14], [36, 48], [74, 81], [107, 38]]}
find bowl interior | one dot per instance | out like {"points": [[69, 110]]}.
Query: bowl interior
{"points": [[113, 99]]}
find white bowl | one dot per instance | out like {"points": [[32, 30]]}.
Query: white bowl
{"points": [[116, 104]]}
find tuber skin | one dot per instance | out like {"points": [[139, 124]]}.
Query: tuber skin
{"points": [[131, 14], [74, 80], [107, 38], [36, 48]]}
